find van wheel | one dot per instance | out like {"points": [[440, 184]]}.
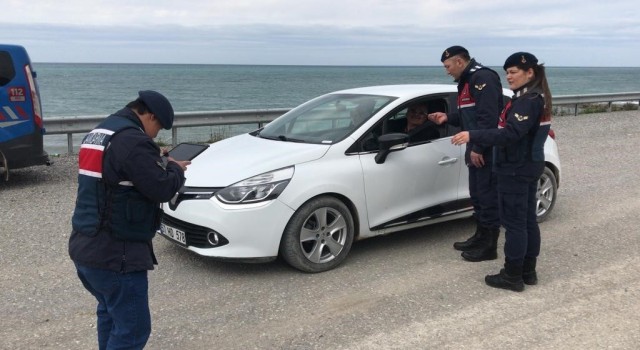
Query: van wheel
{"points": [[319, 235], [546, 194], [4, 166]]}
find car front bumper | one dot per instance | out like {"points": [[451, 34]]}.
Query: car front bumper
{"points": [[246, 232]]}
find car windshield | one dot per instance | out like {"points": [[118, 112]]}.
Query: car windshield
{"points": [[325, 120]]}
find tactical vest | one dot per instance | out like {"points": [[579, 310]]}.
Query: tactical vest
{"points": [[118, 209]]}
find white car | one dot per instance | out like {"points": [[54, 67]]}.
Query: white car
{"points": [[327, 173]]}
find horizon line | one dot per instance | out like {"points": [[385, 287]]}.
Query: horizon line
{"points": [[304, 65]]}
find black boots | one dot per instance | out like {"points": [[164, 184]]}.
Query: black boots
{"points": [[485, 246], [529, 275], [509, 278], [469, 244]]}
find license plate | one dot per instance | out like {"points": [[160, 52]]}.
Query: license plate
{"points": [[173, 233]]}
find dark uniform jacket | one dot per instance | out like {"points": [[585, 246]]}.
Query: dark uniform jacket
{"points": [[479, 104], [121, 183], [520, 137]]}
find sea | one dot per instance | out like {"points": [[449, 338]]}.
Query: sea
{"points": [[90, 89]]}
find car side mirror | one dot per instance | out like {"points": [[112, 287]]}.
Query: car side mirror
{"points": [[390, 143]]}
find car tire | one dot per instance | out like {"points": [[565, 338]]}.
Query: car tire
{"points": [[318, 236], [546, 194]]}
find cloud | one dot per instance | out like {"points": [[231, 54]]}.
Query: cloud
{"points": [[404, 32]]}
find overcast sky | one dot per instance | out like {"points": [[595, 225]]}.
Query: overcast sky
{"points": [[327, 32]]}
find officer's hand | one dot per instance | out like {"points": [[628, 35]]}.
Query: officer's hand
{"points": [[477, 159], [182, 163], [460, 138], [437, 117]]}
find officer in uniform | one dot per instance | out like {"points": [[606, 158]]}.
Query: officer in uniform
{"points": [[121, 182], [519, 161], [479, 104]]}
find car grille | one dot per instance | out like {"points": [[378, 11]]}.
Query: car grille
{"points": [[192, 193], [196, 235]]}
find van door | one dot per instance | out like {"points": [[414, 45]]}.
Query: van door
{"points": [[21, 127]]}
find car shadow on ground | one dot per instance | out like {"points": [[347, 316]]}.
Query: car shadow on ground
{"points": [[433, 240]]}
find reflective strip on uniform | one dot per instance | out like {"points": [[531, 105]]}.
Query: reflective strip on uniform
{"points": [[90, 161], [91, 152], [467, 105], [125, 183], [90, 173], [102, 131]]}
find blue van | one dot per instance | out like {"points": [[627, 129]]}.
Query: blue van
{"points": [[21, 129]]}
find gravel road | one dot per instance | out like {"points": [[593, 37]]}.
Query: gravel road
{"points": [[408, 290]]}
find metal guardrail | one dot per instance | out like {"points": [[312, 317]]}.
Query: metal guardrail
{"points": [[576, 100], [84, 124]]}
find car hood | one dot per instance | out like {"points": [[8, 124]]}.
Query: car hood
{"points": [[240, 157]]}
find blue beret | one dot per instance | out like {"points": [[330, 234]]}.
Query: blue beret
{"points": [[452, 51], [522, 60], [158, 105]]}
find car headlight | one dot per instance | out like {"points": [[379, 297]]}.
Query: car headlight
{"points": [[259, 188]]}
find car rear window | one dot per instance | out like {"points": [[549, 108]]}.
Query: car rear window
{"points": [[7, 70]]}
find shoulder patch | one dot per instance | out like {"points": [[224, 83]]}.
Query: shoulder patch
{"points": [[479, 87], [521, 117]]}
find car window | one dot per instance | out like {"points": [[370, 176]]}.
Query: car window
{"points": [[398, 121], [325, 120]]}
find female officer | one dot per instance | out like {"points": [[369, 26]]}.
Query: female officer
{"points": [[518, 162]]}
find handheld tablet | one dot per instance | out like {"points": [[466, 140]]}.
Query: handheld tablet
{"points": [[186, 151]]}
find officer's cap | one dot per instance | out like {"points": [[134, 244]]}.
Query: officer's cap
{"points": [[522, 60], [158, 105], [453, 51]]}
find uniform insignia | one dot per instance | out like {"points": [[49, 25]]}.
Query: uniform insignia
{"points": [[523, 60], [446, 53], [480, 86], [160, 164], [521, 117]]}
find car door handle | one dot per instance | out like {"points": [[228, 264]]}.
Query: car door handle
{"points": [[447, 160]]}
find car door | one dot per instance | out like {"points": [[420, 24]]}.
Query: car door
{"points": [[419, 182]]}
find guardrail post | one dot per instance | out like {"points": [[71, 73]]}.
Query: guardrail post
{"points": [[69, 143], [174, 136]]}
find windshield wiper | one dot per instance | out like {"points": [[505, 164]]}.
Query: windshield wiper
{"points": [[289, 139], [282, 138]]}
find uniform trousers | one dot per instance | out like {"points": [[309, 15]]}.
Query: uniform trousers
{"points": [[518, 203], [484, 196], [124, 320]]}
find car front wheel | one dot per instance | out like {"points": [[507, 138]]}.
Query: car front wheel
{"points": [[546, 194], [319, 235]]}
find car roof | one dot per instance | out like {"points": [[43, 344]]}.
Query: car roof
{"points": [[407, 91], [403, 90]]}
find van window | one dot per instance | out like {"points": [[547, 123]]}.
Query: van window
{"points": [[7, 70]]}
